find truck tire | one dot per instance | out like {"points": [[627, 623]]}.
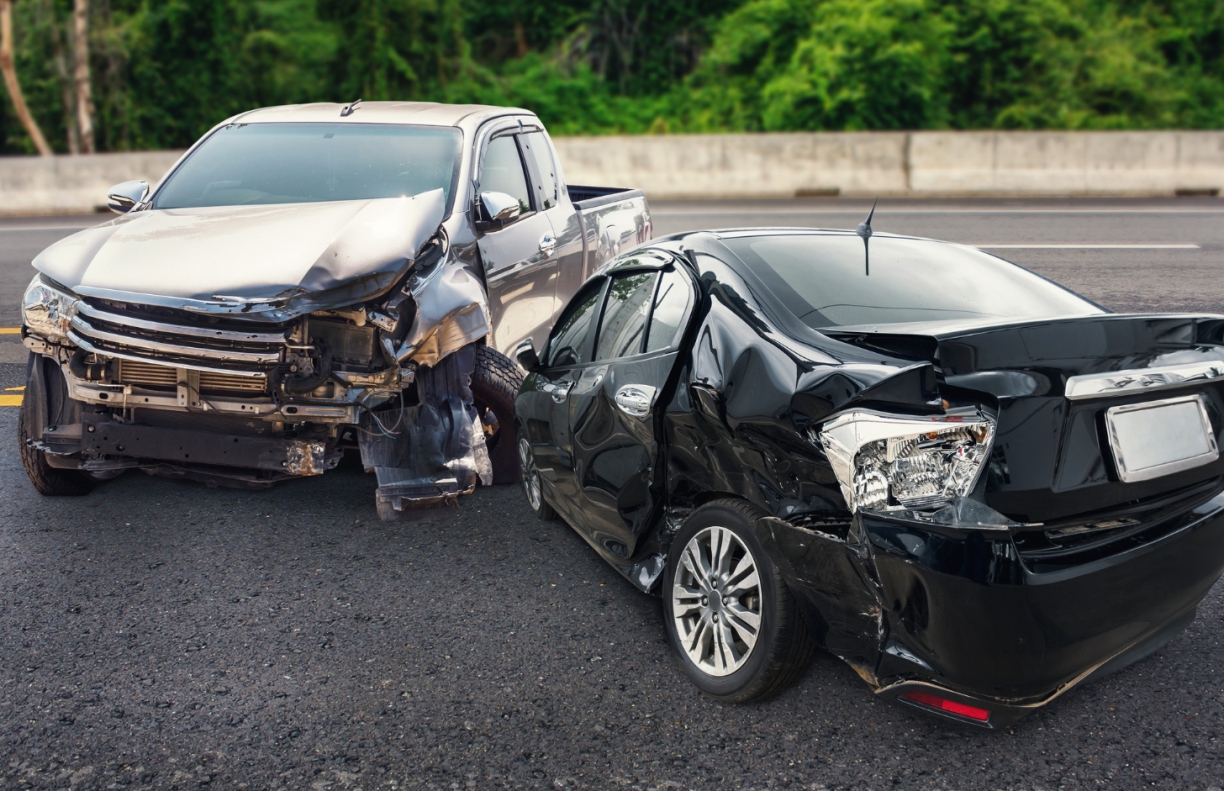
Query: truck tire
{"points": [[495, 384], [49, 480]]}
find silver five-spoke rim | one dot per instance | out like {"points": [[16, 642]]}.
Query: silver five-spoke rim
{"points": [[531, 477], [716, 601]]}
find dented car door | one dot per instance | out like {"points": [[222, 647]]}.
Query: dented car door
{"points": [[615, 402]]}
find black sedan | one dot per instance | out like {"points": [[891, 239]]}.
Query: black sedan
{"points": [[976, 487]]}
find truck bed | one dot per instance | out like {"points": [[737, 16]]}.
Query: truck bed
{"points": [[612, 220]]}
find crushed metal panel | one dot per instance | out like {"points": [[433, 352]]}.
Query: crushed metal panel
{"points": [[426, 456]]}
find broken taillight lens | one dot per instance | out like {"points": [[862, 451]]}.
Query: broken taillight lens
{"points": [[950, 706]]}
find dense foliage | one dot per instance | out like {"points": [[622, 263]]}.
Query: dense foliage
{"points": [[164, 71]]}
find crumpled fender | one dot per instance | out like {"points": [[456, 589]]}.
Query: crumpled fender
{"points": [[452, 311]]}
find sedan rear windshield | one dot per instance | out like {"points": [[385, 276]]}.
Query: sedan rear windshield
{"points": [[243, 164], [824, 280]]}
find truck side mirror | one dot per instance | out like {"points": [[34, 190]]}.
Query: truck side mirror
{"points": [[526, 355], [122, 198], [500, 208]]}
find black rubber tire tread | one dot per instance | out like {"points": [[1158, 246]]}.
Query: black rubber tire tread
{"points": [[793, 647], [496, 380], [49, 481]]}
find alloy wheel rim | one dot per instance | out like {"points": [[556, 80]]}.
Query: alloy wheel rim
{"points": [[531, 477], [716, 601]]}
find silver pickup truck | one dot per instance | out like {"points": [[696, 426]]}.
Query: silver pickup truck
{"points": [[310, 280]]}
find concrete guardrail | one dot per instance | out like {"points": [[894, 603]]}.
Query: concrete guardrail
{"points": [[784, 165]]}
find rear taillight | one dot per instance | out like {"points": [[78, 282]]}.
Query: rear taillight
{"points": [[930, 701]]}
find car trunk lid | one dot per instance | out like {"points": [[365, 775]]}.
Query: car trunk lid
{"points": [[1052, 460]]}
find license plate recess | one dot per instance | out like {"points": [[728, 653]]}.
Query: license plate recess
{"points": [[1157, 438]]}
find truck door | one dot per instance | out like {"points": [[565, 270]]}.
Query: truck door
{"points": [[615, 402], [553, 198], [519, 258]]}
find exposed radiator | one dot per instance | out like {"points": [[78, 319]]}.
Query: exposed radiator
{"points": [[131, 372]]}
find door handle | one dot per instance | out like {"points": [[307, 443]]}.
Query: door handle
{"points": [[548, 244], [636, 400], [558, 391]]}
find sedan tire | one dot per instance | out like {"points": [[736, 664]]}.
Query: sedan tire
{"points": [[728, 612], [531, 481]]}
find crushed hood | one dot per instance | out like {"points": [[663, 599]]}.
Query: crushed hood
{"points": [[268, 261]]}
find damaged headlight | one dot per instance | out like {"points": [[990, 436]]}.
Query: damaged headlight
{"points": [[887, 462], [46, 310]]}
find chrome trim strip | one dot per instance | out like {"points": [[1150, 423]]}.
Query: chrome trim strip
{"points": [[85, 309], [1128, 475], [259, 358], [1116, 383], [89, 347]]}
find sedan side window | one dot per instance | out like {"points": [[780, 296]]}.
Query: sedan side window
{"points": [[623, 328], [671, 308], [502, 171], [570, 341]]}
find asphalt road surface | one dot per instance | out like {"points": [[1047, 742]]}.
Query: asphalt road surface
{"points": [[160, 634]]}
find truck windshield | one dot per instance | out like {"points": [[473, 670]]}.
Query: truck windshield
{"points": [[823, 280], [243, 164]]}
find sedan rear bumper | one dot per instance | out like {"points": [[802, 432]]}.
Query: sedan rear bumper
{"points": [[962, 614]]}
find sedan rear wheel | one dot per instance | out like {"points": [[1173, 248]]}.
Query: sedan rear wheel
{"points": [[730, 615]]}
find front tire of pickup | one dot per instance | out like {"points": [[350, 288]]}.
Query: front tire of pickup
{"points": [[48, 480], [495, 384]]}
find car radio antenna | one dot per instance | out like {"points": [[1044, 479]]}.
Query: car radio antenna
{"points": [[864, 231], [349, 109]]}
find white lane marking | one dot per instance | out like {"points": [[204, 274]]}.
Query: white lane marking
{"points": [[20, 228], [1170, 246], [663, 212]]}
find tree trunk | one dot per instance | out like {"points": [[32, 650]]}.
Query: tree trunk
{"points": [[66, 89], [10, 80], [80, 46]]}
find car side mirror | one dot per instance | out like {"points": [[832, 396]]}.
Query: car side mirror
{"points": [[526, 356], [122, 198], [499, 210]]}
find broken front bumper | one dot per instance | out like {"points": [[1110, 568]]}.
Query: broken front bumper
{"points": [[965, 616]]}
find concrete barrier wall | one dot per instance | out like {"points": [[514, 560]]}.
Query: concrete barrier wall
{"points": [[73, 184], [897, 164], [917, 164]]}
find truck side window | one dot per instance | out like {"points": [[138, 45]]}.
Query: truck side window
{"points": [[670, 308], [570, 341], [502, 171], [623, 328], [538, 149]]}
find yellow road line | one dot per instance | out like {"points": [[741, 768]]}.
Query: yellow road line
{"points": [[12, 389], [10, 330], [10, 400]]}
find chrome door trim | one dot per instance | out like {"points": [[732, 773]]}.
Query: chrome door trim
{"points": [[1116, 383], [635, 400]]}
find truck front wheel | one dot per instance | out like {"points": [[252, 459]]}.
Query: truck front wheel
{"points": [[48, 480], [495, 384]]}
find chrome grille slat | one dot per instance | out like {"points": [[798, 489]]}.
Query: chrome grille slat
{"points": [[81, 327], [270, 338], [83, 343]]}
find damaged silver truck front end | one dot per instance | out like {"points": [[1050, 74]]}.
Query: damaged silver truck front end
{"points": [[274, 374]]}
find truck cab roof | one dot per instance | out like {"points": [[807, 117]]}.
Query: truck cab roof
{"points": [[467, 116]]}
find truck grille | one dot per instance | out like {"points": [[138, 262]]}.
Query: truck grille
{"points": [[134, 372], [128, 334]]}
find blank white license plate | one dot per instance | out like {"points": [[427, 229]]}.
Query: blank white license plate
{"points": [[1160, 437]]}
